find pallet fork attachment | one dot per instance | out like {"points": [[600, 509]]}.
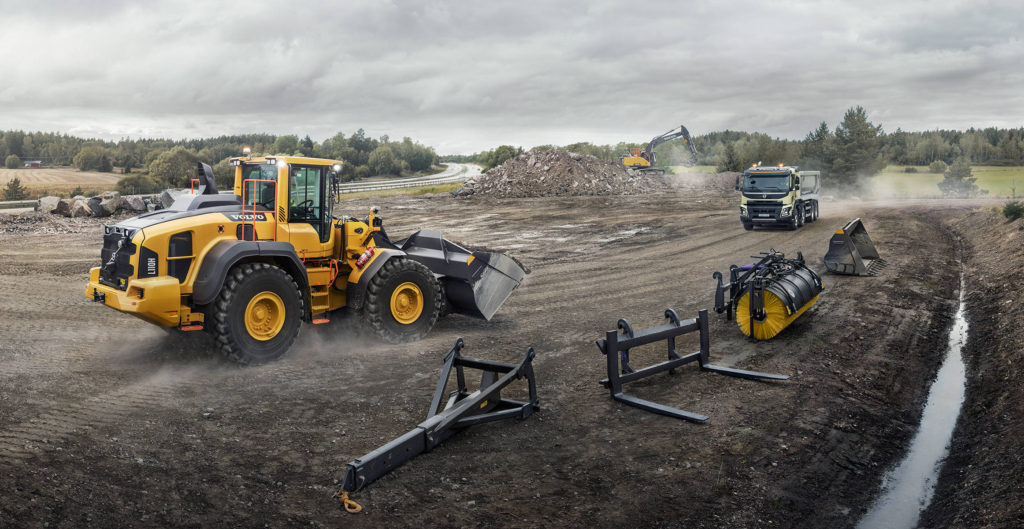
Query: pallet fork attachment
{"points": [[463, 409], [615, 345]]}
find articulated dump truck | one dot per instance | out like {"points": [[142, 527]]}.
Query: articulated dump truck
{"points": [[248, 267], [779, 196]]}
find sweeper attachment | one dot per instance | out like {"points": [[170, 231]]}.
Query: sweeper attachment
{"points": [[851, 252], [463, 409], [616, 346], [768, 295]]}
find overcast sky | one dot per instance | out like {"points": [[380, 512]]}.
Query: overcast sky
{"points": [[467, 76]]}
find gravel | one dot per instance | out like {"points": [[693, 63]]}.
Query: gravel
{"points": [[559, 173]]}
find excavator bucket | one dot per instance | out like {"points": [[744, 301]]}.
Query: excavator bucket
{"points": [[851, 252], [475, 283]]}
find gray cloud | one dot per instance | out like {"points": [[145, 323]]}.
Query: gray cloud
{"points": [[465, 76]]}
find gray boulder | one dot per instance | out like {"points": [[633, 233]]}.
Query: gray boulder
{"points": [[133, 202], [81, 209], [95, 206], [109, 206], [47, 204], [64, 206]]}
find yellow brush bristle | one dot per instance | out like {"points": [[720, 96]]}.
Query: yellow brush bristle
{"points": [[777, 316]]}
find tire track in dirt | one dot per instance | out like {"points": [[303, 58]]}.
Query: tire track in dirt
{"points": [[44, 432]]}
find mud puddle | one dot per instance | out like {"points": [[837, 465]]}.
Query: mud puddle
{"points": [[908, 488]]}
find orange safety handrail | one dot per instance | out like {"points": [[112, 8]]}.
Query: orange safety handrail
{"points": [[273, 211], [192, 186]]}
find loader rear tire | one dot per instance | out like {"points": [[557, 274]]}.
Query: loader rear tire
{"points": [[403, 301], [257, 315]]}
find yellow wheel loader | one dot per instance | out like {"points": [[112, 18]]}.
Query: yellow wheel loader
{"points": [[249, 267]]}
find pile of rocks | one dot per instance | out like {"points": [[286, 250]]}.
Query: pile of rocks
{"points": [[103, 205], [559, 173]]}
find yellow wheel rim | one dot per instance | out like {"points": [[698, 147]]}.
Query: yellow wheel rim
{"points": [[264, 316], [407, 303]]}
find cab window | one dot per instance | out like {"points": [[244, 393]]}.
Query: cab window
{"points": [[305, 196], [259, 193]]}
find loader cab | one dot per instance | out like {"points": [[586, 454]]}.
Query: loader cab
{"points": [[295, 191]]}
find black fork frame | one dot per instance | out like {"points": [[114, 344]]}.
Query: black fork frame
{"points": [[614, 345]]}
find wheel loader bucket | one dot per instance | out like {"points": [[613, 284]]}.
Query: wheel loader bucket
{"points": [[475, 283], [851, 252]]}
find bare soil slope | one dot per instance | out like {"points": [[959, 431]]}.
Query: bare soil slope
{"points": [[981, 483]]}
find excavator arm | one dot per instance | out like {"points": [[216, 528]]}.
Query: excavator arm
{"points": [[681, 132]]}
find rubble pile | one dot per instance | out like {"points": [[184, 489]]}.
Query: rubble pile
{"points": [[559, 173], [35, 222]]}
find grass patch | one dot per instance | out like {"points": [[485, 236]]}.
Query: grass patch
{"points": [[896, 182], [403, 191]]}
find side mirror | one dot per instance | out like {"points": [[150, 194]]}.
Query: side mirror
{"points": [[737, 183]]}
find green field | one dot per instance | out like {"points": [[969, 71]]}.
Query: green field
{"points": [[895, 182], [999, 181]]}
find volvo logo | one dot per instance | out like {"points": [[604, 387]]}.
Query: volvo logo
{"points": [[764, 195]]}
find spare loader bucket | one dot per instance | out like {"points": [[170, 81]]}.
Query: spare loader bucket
{"points": [[851, 252], [475, 283]]}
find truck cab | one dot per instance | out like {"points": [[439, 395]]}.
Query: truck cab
{"points": [[778, 195]]}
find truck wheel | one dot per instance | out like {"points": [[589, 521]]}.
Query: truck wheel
{"points": [[793, 223], [257, 315], [814, 212], [748, 226], [800, 212], [402, 301]]}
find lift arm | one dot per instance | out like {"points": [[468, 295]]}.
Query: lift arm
{"points": [[681, 132]]}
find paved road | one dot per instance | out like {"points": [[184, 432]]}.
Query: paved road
{"points": [[455, 172]]}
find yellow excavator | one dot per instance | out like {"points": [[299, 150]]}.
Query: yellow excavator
{"points": [[248, 267], [644, 161]]}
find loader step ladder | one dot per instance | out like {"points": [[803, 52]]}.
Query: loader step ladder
{"points": [[463, 409], [320, 280], [615, 345]]}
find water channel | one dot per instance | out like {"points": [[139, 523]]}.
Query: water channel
{"points": [[908, 488]]}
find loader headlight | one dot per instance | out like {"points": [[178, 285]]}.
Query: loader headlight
{"points": [[336, 167]]}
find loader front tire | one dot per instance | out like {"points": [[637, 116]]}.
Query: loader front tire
{"points": [[403, 301], [257, 315]]}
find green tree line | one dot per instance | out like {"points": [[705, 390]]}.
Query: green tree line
{"points": [[153, 164], [853, 149]]}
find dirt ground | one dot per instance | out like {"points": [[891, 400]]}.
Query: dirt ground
{"points": [[108, 421]]}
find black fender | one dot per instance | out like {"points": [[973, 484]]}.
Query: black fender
{"points": [[226, 254], [355, 293]]}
